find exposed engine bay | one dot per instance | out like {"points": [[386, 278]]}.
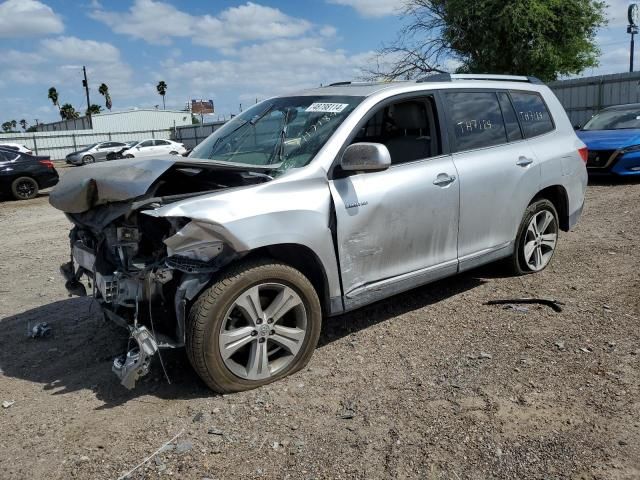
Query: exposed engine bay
{"points": [[142, 269]]}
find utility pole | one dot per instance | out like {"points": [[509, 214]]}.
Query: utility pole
{"points": [[85, 84], [633, 14]]}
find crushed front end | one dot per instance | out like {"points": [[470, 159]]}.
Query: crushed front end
{"points": [[140, 282], [144, 270]]}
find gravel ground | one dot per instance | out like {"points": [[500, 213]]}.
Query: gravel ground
{"points": [[430, 384]]}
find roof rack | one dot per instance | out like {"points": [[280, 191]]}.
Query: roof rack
{"points": [[448, 77]]}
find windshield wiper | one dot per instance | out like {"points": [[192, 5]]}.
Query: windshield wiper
{"points": [[279, 150], [253, 122]]}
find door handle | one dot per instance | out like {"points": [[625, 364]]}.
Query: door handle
{"points": [[524, 162], [442, 180]]}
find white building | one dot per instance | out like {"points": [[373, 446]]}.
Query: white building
{"points": [[138, 120]]}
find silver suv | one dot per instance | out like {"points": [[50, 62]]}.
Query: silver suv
{"points": [[313, 204]]}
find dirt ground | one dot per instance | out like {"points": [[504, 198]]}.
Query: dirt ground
{"points": [[430, 384]]}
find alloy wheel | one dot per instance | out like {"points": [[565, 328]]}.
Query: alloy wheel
{"points": [[540, 240], [263, 331], [25, 189]]}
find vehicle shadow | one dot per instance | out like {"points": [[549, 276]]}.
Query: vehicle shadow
{"points": [[340, 326], [79, 352]]}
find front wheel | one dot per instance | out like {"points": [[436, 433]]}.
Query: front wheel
{"points": [[88, 159], [537, 238], [258, 323]]}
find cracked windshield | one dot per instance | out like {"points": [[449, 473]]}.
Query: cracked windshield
{"points": [[284, 132]]}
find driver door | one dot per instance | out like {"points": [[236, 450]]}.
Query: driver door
{"points": [[398, 228]]}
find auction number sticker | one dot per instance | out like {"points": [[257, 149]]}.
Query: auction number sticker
{"points": [[327, 107]]}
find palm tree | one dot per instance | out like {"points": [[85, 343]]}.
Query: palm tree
{"points": [[23, 124], [14, 124], [53, 96], [93, 109], [162, 90], [67, 112], [103, 90]]}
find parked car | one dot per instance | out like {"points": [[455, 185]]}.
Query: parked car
{"points": [[613, 139], [16, 146], [118, 154], [96, 152], [315, 204], [153, 148], [23, 175]]}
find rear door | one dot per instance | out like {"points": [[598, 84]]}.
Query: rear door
{"points": [[162, 147], [498, 172], [397, 228], [145, 149]]}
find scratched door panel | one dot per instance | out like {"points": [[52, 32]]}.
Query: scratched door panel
{"points": [[395, 221]]}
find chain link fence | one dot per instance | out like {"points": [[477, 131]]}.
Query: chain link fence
{"points": [[58, 145], [192, 135]]}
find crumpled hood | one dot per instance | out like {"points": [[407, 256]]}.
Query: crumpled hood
{"points": [[83, 188], [609, 139]]}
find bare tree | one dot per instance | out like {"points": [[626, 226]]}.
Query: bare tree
{"points": [[419, 49]]}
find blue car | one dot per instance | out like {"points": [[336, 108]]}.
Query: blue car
{"points": [[613, 139]]}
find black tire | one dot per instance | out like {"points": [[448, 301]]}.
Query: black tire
{"points": [[88, 159], [173, 152], [208, 313], [128, 156], [517, 262], [24, 188]]}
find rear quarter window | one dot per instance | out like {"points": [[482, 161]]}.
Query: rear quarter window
{"points": [[532, 113], [475, 119]]}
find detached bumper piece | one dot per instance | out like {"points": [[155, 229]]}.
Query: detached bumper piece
{"points": [[136, 362]]}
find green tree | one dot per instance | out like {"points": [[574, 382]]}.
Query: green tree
{"points": [[67, 112], [14, 124], [162, 90], [93, 109], [53, 96], [6, 127], [32, 128], [23, 124], [543, 38], [103, 90]]}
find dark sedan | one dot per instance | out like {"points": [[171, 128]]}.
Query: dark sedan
{"points": [[23, 175]]}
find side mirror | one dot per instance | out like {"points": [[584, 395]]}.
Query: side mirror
{"points": [[365, 156], [577, 126]]}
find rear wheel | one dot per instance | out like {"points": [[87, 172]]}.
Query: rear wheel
{"points": [[537, 238], [88, 159], [173, 152], [258, 323], [24, 188], [128, 155]]}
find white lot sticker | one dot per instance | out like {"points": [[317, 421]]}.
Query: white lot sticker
{"points": [[327, 107]]}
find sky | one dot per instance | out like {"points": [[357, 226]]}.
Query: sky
{"points": [[232, 52]]}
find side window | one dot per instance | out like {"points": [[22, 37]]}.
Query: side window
{"points": [[408, 129], [146, 143], [475, 119], [532, 113], [161, 142], [509, 116]]}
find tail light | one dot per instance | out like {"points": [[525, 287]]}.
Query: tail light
{"points": [[584, 153], [46, 163]]}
